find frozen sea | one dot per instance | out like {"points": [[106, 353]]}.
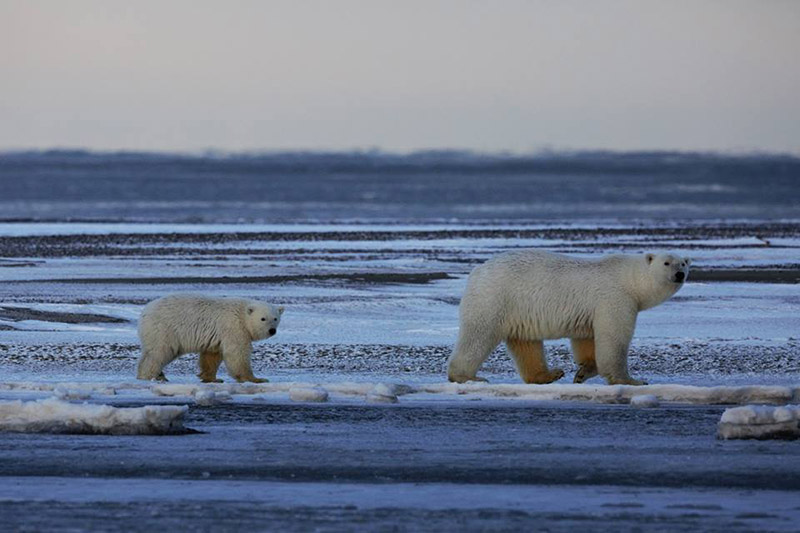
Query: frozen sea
{"points": [[369, 253]]}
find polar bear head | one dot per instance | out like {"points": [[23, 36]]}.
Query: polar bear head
{"points": [[668, 268], [262, 319], [663, 275]]}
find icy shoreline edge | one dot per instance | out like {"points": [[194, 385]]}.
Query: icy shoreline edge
{"points": [[609, 394]]}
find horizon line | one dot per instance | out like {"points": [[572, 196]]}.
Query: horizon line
{"points": [[378, 151]]}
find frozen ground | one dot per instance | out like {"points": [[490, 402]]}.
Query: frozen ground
{"points": [[370, 305]]}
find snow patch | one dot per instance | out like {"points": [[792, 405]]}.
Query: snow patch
{"points": [[381, 398], [760, 422], [56, 416], [207, 397], [174, 390], [108, 389], [623, 393], [308, 394], [62, 393], [383, 393], [645, 400], [396, 389]]}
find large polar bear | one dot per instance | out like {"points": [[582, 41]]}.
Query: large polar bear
{"points": [[219, 329], [524, 297]]}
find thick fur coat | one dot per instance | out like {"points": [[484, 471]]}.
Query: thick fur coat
{"points": [[218, 329], [525, 297]]}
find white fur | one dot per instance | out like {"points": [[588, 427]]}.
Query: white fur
{"points": [[219, 329], [525, 297]]}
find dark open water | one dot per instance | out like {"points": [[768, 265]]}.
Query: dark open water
{"points": [[372, 187]]}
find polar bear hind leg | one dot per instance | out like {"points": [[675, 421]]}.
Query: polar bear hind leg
{"points": [[531, 364], [472, 349], [209, 362], [583, 351]]}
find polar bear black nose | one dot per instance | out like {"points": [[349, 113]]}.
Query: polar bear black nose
{"points": [[273, 331], [679, 276]]}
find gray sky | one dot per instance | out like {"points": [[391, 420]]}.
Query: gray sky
{"points": [[402, 75]]}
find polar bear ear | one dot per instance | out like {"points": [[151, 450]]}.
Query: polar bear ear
{"points": [[688, 260], [649, 257], [280, 310], [249, 310]]}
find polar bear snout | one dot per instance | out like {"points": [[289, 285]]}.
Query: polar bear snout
{"points": [[273, 331], [679, 276]]}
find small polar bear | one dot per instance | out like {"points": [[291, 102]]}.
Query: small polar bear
{"points": [[524, 297], [219, 329]]}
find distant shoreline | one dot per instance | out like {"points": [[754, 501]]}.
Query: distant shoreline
{"points": [[746, 275], [740, 275]]}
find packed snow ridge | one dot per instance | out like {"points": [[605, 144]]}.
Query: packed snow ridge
{"points": [[760, 422], [383, 392], [308, 394], [765, 394], [56, 416]]}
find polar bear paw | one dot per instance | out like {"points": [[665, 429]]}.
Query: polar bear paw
{"points": [[585, 371], [546, 377]]}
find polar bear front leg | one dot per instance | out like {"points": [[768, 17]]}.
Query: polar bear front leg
{"points": [[583, 352], [237, 361], [531, 364], [209, 362], [613, 331]]}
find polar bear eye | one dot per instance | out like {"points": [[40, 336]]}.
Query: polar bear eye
{"points": [[263, 319], [666, 263]]}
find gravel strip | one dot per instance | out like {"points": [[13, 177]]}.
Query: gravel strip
{"points": [[713, 359]]}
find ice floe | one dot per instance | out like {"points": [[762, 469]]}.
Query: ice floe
{"points": [[56, 416], [760, 422]]}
